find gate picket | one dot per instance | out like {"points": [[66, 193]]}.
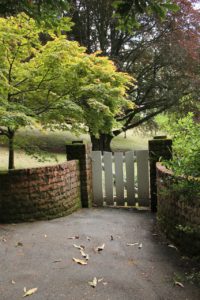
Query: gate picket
{"points": [[130, 173], [119, 180], [107, 159], [97, 177]]}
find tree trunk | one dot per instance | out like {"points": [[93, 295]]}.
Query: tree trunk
{"points": [[11, 150], [102, 143]]}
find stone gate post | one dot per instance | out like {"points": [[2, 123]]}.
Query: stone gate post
{"points": [[82, 152], [159, 147]]}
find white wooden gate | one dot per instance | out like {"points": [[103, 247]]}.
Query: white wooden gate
{"points": [[121, 179]]}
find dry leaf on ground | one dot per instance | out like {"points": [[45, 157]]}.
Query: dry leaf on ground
{"points": [[30, 292], [93, 283], [58, 260], [133, 244], [19, 244], [100, 279], [132, 262], [76, 237], [81, 247], [13, 282], [105, 283], [173, 247], [100, 248], [80, 261], [85, 255], [179, 284], [140, 246]]}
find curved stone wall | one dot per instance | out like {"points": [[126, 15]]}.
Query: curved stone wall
{"points": [[40, 193], [178, 210]]}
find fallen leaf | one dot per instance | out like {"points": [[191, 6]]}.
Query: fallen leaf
{"points": [[13, 282], [100, 279], [76, 237], [179, 284], [19, 244], [56, 261], [132, 244], [100, 248], [30, 292], [85, 255], [105, 283], [81, 247], [173, 247], [93, 283], [132, 262], [140, 246], [80, 261]]}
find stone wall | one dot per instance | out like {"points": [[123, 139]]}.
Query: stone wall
{"points": [[178, 209], [40, 193]]}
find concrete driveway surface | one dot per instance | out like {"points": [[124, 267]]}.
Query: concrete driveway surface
{"points": [[40, 255]]}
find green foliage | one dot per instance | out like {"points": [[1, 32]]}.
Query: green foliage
{"points": [[186, 144], [187, 229], [194, 277], [56, 85], [46, 12], [128, 11]]}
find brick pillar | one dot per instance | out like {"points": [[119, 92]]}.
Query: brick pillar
{"points": [[159, 148], [82, 152]]}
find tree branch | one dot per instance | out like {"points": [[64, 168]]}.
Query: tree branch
{"points": [[33, 89]]}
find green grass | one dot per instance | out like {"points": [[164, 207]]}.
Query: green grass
{"points": [[134, 140], [54, 143], [51, 141], [23, 161]]}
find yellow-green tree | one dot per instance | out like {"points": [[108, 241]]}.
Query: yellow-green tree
{"points": [[55, 85]]}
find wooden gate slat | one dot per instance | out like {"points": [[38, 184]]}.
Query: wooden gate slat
{"points": [[107, 159], [97, 177], [119, 180], [142, 157], [130, 181]]}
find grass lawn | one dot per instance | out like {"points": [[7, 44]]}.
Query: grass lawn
{"points": [[134, 140], [54, 142], [22, 160]]}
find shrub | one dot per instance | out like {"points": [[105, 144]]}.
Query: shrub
{"points": [[185, 133]]}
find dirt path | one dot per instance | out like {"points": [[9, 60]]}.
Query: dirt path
{"points": [[40, 255]]}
